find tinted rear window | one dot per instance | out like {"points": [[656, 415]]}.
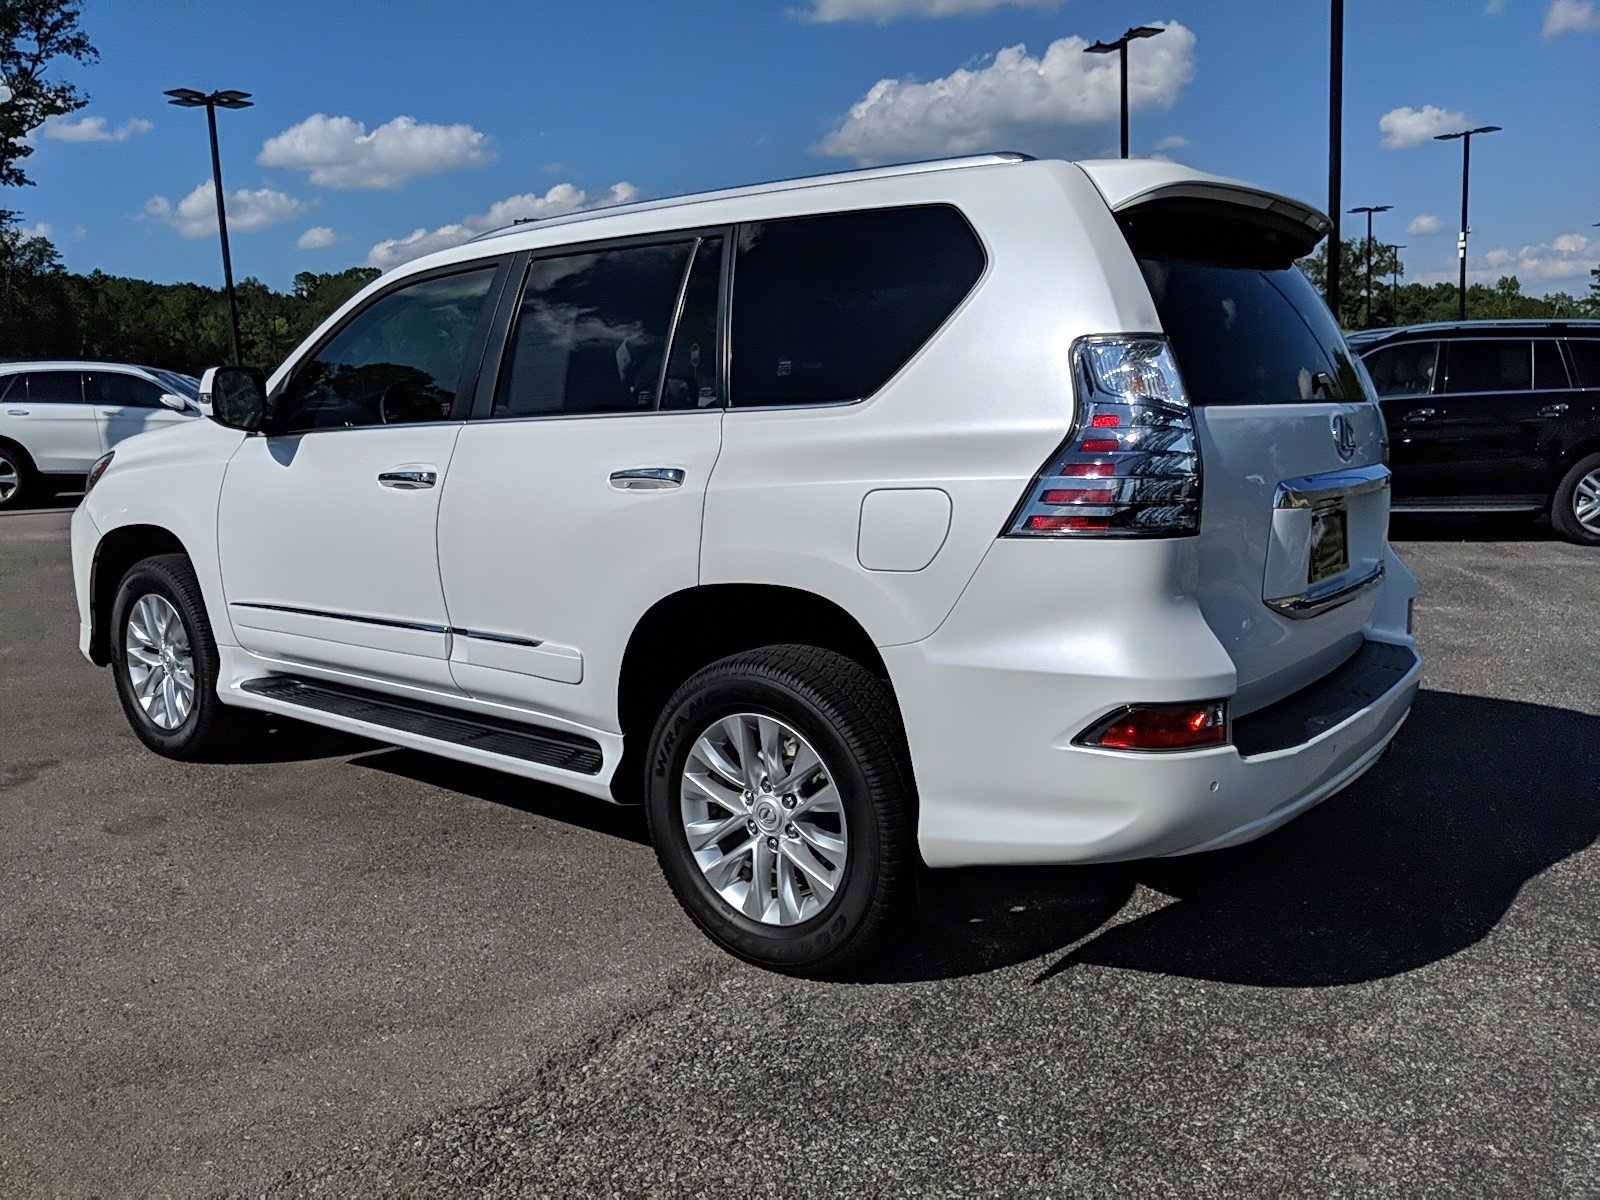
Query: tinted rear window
{"points": [[1585, 361], [827, 308], [1244, 336], [1489, 366]]}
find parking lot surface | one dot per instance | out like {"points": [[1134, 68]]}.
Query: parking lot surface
{"points": [[339, 967]]}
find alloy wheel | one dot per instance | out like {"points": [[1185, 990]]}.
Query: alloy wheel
{"points": [[160, 661], [764, 819], [10, 479], [1586, 502]]}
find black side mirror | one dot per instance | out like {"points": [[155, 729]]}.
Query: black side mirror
{"points": [[236, 396]]}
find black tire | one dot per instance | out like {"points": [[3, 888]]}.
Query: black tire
{"points": [[850, 718], [210, 726], [1563, 509], [14, 462]]}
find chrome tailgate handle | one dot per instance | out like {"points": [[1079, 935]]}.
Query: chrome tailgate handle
{"points": [[647, 479], [408, 478]]}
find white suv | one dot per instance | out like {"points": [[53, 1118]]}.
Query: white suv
{"points": [[56, 418], [987, 511]]}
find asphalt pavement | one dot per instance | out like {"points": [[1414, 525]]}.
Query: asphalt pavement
{"points": [[343, 968]]}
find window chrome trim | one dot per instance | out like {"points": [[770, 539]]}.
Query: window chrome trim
{"points": [[1311, 491], [1316, 600]]}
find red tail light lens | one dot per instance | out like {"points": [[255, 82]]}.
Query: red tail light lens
{"points": [[1162, 727], [1134, 435]]}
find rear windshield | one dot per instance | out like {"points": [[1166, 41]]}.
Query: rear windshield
{"points": [[1247, 336]]}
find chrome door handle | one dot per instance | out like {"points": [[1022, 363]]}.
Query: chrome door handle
{"points": [[1552, 410], [1421, 414], [16, 412], [408, 480], [647, 479]]}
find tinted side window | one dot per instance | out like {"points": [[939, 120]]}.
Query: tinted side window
{"points": [[1488, 366], [1406, 370], [591, 333], [1246, 336], [829, 308], [1585, 360], [1549, 372], [397, 361], [55, 387], [127, 391]]}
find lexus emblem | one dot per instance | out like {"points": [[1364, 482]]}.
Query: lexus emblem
{"points": [[1344, 435]]}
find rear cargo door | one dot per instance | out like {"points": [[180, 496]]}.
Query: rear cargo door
{"points": [[1295, 502]]}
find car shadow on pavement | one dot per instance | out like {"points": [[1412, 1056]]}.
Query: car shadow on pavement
{"points": [[1471, 527], [1418, 860]]}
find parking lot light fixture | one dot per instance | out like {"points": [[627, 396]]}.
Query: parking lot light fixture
{"points": [[1465, 136], [232, 98], [1369, 209], [1120, 47]]}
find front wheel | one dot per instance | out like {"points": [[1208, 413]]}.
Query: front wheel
{"points": [[781, 807], [1575, 510], [165, 661], [18, 480]]}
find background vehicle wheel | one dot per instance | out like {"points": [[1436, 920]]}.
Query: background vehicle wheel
{"points": [[18, 482], [1575, 511], [781, 806], [165, 661]]}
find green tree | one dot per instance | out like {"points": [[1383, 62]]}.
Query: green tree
{"points": [[1353, 280], [34, 36]]}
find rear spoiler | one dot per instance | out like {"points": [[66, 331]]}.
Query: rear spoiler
{"points": [[1169, 211]]}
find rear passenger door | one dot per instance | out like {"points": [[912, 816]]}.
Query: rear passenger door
{"points": [[1493, 427], [125, 405], [575, 495], [53, 422]]}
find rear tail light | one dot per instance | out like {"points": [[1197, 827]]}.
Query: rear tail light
{"points": [[1162, 727], [1131, 466]]}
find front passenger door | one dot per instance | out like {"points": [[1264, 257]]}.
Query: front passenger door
{"points": [[327, 520]]}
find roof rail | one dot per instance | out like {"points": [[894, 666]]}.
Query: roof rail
{"points": [[889, 171]]}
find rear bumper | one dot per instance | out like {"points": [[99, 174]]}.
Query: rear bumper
{"points": [[991, 721]]}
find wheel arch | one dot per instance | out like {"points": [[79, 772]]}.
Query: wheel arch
{"points": [[117, 551], [689, 629]]}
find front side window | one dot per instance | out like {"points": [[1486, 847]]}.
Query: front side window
{"points": [[591, 332], [122, 391], [1499, 365], [1405, 370], [826, 309], [400, 360], [50, 387], [1585, 361], [1549, 372]]}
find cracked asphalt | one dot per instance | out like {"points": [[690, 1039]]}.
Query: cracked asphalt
{"points": [[339, 968]]}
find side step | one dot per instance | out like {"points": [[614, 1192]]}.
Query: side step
{"points": [[548, 747]]}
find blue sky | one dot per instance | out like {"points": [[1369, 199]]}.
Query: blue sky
{"points": [[385, 129]]}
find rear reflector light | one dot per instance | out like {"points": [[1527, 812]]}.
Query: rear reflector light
{"points": [[1134, 436], [1162, 727]]}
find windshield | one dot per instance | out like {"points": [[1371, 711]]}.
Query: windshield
{"points": [[186, 386], [1248, 336]]}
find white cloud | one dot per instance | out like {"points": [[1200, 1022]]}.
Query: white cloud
{"points": [[338, 152], [248, 210], [561, 199], [1176, 142], [1013, 101], [93, 129], [1423, 224], [318, 237], [1405, 127], [1495, 7], [881, 12], [1571, 16], [1567, 256], [39, 229]]}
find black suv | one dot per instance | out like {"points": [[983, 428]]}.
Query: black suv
{"points": [[1493, 416]]}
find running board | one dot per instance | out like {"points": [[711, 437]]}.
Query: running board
{"points": [[547, 747]]}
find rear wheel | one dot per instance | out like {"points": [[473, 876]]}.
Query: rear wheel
{"points": [[18, 480], [1575, 511], [781, 807], [165, 661]]}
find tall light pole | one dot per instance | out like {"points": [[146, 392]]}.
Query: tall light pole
{"points": [[1369, 209], [1394, 283], [1120, 46], [1335, 149], [189, 98], [1466, 169]]}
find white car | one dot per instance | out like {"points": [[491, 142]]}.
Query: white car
{"points": [[56, 418], [979, 511]]}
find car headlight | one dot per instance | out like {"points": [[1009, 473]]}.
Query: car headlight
{"points": [[99, 469]]}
